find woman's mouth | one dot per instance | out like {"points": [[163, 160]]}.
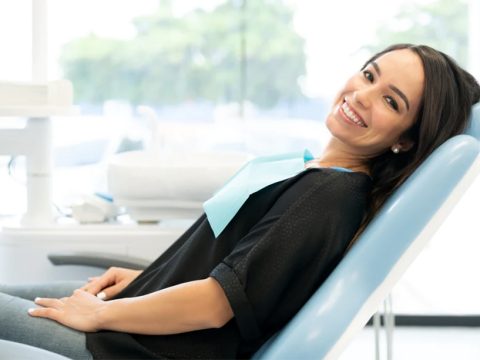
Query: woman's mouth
{"points": [[351, 115]]}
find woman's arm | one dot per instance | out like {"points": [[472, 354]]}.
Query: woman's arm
{"points": [[195, 305]]}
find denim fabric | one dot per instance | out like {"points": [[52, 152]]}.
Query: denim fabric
{"points": [[16, 325]]}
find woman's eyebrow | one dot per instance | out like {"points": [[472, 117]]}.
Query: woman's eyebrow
{"points": [[393, 87], [377, 68], [401, 94]]}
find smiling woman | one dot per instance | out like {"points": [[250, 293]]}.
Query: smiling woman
{"points": [[223, 295], [371, 113]]}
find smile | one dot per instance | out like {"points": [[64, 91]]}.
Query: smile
{"points": [[351, 115]]}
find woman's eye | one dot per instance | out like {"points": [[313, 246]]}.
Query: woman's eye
{"points": [[368, 75], [393, 104]]}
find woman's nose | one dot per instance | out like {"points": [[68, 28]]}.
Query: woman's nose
{"points": [[362, 97]]}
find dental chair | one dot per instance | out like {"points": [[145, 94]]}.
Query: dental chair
{"points": [[363, 279], [352, 293]]}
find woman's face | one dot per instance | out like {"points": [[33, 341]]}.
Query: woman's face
{"points": [[378, 104]]}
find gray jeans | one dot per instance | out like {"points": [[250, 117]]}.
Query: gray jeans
{"points": [[16, 325]]}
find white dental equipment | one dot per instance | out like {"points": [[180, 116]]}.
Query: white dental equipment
{"points": [[94, 209], [154, 184], [37, 101]]}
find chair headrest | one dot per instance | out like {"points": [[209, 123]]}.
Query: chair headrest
{"points": [[474, 124]]}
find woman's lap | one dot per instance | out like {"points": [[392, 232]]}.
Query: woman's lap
{"points": [[56, 289], [16, 325]]}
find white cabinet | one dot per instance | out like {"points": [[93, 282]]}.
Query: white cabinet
{"points": [[23, 251]]}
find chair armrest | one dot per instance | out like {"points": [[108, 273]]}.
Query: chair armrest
{"points": [[100, 260]]}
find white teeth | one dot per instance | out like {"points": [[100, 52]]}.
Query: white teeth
{"points": [[351, 115]]}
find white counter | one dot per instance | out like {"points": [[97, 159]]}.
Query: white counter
{"points": [[23, 250]]}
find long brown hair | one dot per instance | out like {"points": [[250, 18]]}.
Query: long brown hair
{"points": [[448, 95]]}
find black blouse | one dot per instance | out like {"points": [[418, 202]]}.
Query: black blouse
{"points": [[272, 256]]}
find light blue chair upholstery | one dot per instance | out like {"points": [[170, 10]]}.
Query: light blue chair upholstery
{"points": [[355, 289]]}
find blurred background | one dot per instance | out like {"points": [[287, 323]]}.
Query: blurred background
{"points": [[253, 76]]}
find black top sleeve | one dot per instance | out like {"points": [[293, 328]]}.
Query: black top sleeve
{"points": [[276, 267]]}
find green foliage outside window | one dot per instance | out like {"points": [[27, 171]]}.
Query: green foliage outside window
{"points": [[196, 57]]}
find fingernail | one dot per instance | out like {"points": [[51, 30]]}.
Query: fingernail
{"points": [[30, 311], [101, 295], [37, 299]]}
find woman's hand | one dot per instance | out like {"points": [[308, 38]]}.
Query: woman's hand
{"points": [[110, 283], [81, 311]]}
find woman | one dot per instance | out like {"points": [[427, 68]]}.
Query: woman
{"points": [[222, 297]]}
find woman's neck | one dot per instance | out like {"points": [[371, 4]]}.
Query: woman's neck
{"points": [[335, 156], [319, 162]]}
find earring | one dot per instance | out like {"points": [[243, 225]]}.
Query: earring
{"points": [[395, 149]]}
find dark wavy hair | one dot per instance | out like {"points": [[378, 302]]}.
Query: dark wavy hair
{"points": [[448, 95]]}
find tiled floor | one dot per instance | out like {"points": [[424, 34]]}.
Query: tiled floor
{"points": [[414, 343]]}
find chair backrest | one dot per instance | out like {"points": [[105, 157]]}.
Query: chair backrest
{"points": [[355, 289]]}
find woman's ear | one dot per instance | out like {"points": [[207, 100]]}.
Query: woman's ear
{"points": [[403, 145]]}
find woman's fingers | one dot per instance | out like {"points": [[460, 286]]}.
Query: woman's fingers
{"points": [[91, 285], [110, 292], [49, 310], [92, 288], [97, 284], [110, 283], [50, 303], [48, 313]]}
